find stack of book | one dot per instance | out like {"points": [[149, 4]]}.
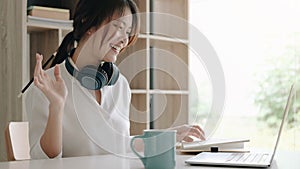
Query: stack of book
{"points": [[222, 145], [48, 12]]}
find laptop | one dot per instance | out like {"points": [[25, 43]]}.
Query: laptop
{"points": [[245, 159]]}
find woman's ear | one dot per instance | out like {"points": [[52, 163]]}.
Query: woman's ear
{"points": [[91, 31]]}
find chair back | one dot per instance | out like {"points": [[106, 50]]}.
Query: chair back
{"points": [[17, 141]]}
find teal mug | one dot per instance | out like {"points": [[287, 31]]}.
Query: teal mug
{"points": [[159, 149]]}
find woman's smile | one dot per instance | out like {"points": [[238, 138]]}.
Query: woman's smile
{"points": [[116, 48]]}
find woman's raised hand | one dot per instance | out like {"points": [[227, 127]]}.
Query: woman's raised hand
{"points": [[54, 89]]}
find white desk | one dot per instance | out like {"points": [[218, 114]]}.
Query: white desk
{"points": [[284, 160]]}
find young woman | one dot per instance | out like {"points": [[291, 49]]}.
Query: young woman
{"points": [[69, 112]]}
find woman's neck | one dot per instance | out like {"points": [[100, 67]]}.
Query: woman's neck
{"points": [[78, 62]]}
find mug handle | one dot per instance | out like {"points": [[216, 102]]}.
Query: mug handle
{"points": [[132, 147]]}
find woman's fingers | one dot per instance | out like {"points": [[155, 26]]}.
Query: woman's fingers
{"points": [[54, 89], [38, 66], [37, 71], [57, 73], [187, 132], [38, 83], [40, 79], [197, 132], [188, 139], [200, 129]]}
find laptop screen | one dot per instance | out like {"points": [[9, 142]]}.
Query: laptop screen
{"points": [[286, 110]]}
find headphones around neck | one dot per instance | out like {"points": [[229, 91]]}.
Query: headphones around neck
{"points": [[94, 78]]}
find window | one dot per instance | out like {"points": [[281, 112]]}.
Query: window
{"points": [[258, 45]]}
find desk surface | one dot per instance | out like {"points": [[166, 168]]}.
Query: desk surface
{"points": [[284, 160]]}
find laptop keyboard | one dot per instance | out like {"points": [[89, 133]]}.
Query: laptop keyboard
{"points": [[247, 157], [236, 158]]}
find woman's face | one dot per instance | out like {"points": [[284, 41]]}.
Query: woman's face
{"points": [[116, 36], [105, 43]]}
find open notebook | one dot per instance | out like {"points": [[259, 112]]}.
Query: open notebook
{"points": [[252, 159], [223, 145]]}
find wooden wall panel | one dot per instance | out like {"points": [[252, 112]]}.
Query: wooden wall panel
{"points": [[11, 52]]}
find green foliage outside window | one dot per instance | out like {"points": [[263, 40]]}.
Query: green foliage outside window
{"points": [[274, 83]]}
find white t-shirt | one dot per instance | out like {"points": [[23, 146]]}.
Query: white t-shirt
{"points": [[88, 128]]}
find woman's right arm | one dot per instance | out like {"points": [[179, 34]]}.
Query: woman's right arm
{"points": [[56, 92]]}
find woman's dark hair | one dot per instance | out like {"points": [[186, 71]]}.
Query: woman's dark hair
{"points": [[92, 13]]}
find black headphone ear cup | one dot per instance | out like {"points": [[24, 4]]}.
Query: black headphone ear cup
{"points": [[115, 75], [92, 78], [112, 72]]}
